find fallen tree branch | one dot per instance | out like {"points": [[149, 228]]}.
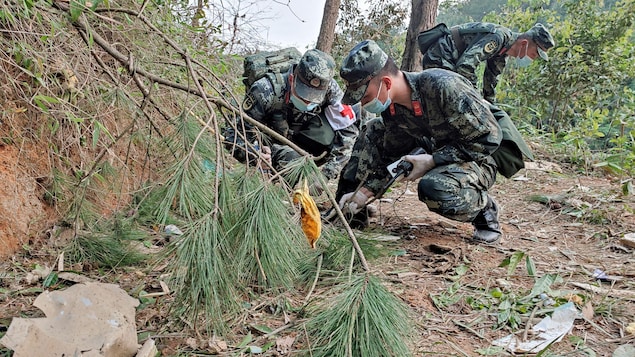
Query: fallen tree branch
{"points": [[623, 294]]}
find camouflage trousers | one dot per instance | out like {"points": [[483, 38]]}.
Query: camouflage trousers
{"points": [[456, 191]]}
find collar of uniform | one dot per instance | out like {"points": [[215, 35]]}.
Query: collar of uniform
{"points": [[411, 78]]}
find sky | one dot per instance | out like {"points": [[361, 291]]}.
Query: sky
{"points": [[296, 24]]}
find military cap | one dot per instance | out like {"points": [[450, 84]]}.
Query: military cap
{"points": [[313, 75], [542, 38], [363, 62]]}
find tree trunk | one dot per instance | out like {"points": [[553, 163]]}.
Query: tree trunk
{"points": [[422, 17], [327, 29], [198, 14]]}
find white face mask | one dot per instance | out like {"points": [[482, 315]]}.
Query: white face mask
{"points": [[300, 105], [376, 106], [298, 102], [524, 61]]}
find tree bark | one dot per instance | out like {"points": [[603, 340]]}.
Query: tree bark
{"points": [[327, 29], [198, 14], [422, 17]]}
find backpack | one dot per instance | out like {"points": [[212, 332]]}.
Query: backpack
{"points": [[270, 64], [427, 38]]}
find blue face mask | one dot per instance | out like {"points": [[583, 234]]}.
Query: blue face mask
{"points": [[376, 106], [525, 60], [300, 105]]}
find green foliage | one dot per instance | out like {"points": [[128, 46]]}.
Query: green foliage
{"points": [[339, 259], [582, 91], [382, 21], [336, 250], [512, 262], [239, 231], [363, 319], [455, 12], [189, 185], [10, 14], [451, 296], [507, 305], [267, 246], [107, 244], [205, 278]]}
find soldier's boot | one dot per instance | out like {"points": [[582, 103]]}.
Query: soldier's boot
{"points": [[487, 228]]}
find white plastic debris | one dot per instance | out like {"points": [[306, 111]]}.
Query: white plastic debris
{"points": [[624, 351], [172, 229], [85, 320], [549, 330]]}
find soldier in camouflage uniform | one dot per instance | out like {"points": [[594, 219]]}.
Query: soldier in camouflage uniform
{"points": [[436, 109], [464, 47], [305, 108]]}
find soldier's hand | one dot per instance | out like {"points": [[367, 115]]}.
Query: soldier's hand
{"points": [[353, 202], [265, 155], [420, 165]]}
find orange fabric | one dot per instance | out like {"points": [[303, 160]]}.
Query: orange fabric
{"points": [[309, 214]]}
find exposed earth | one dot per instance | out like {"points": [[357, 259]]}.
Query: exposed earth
{"points": [[571, 227]]}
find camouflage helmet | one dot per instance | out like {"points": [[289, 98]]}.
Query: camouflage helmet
{"points": [[363, 62], [541, 36], [313, 74]]}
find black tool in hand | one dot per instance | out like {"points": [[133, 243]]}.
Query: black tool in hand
{"points": [[403, 168]]}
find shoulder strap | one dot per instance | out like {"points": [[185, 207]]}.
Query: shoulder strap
{"points": [[458, 41], [277, 80]]}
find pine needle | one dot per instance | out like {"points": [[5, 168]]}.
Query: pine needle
{"points": [[205, 278], [300, 169], [107, 245], [269, 243], [336, 248], [364, 319], [188, 191]]}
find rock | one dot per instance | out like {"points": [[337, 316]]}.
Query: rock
{"points": [[628, 240], [91, 319], [149, 349]]}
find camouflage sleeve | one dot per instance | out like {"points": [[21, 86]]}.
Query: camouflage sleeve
{"points": [[476, 53], [493, 69], [254, 105], [393, 146], [472, 132], [341, 151], [370, 154], [335, 94], [344, 138]]}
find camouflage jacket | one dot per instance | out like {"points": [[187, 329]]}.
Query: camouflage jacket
{"points": [[263, 103], [481, 42], [451, 121]]}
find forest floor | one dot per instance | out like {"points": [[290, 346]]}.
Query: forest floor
{"points": [[568, 225]]}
